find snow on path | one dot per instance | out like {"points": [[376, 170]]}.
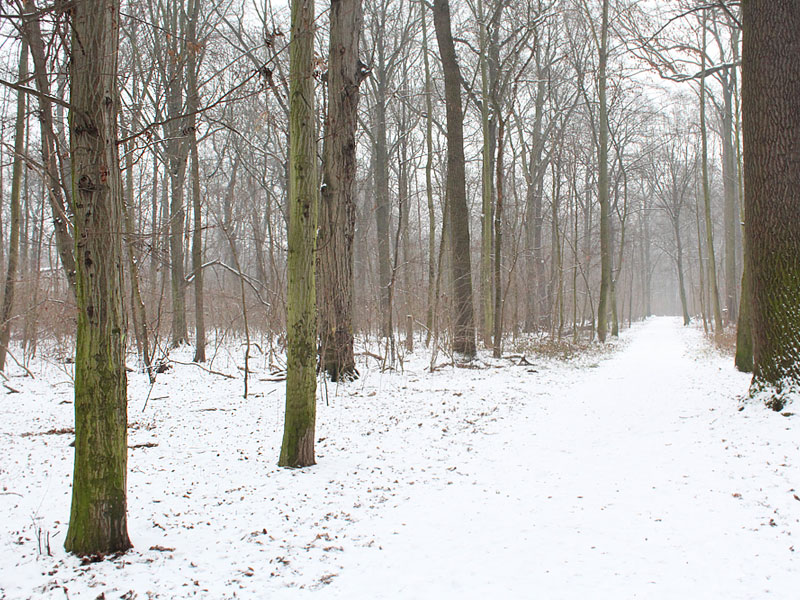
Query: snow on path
{"points": [[633, 476], [619, 486]]}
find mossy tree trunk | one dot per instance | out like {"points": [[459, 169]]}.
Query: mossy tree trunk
{"points": [[771, 128], [98, 520], [297, 449], [337, 207], [464, 317]]}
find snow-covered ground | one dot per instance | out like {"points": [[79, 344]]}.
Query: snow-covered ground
{"points": [[625, 474]]}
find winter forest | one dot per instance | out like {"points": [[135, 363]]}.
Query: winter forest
{"points": [[399, 298]]}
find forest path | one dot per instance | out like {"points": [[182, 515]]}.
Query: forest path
{"points": [[625, 483]]}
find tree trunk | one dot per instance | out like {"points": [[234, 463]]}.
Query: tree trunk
{"points": [[177, 152], [58, 193], [338, 209], [712, 263], [16, 189], [497, 350], [731, 189], [429, 179], [297, 449], [487, 191], [744, 335], [383, 205], [98, 520], [464, 334], [771, 128], [534, 175], [137, 309], [602, 183], [679, 265], [192, 105]]}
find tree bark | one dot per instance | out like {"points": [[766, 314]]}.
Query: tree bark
{"points": [[464, 318], [98, 519], [771, 128], [337, 208], [297, 449]]}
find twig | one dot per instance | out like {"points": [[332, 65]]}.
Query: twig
{"points": [[199, 366]]}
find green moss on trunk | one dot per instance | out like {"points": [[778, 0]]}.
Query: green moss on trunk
{"points": [[98, 522], [297, 449]]}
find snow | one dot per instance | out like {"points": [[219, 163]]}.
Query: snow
{"points": [[630, 473]]}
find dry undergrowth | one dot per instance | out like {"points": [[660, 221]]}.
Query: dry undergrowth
{"points": [[564, 349]]}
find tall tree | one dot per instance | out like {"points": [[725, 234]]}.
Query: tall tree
{"points": [[297, 449], [460, 263], [98, 519], [337, 206], [771, 128], [176, 127], [16, 192], [429, 314], [602, 181], [193, 50], [488, 73], [712, 263]]}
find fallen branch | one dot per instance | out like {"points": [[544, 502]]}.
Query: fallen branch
{"points": [[19, 364], [199, 366]]}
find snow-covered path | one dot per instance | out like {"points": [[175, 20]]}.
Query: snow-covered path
{"points": [[625, 475], [619, 486]]}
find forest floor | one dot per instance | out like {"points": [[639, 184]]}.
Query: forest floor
{"points": [[624, 473]]}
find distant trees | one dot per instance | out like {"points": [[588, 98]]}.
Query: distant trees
{"points": [[771, 128], [98, 519], [673, 173], [574, 226], [297, 449]]}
